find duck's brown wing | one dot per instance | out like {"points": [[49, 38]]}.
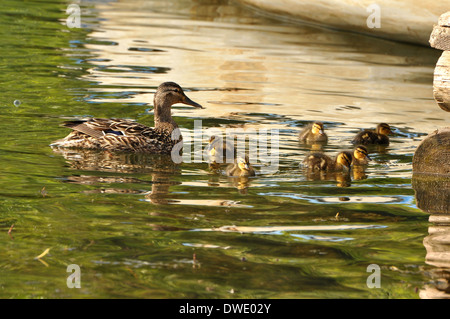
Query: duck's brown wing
{"points": [[98, 127], [365, 137], [317, 161], [115, 134]]}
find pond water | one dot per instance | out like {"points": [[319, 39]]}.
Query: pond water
{"points": [[141, 226]]}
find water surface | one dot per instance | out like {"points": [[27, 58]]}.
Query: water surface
{"points": [[143, 227]]}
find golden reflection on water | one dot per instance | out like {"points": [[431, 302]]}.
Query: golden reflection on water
{"points": [[256, 72], [263, 67]]}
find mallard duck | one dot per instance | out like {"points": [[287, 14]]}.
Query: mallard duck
{"points": [[361, 155], [378, 136], [322, 162], [313, 133], [241, 167], [127, 135]]}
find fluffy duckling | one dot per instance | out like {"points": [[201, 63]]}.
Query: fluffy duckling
{"points": [[322, 162], [378, 136], [313, 133], [220, 151], [361, 155], [241, 167]]}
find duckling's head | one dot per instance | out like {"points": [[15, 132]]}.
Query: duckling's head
{"points": [[211, 147], [317, 128], [383, 129], [344, 159], [361, 153], [169, 93], [243, 163]]}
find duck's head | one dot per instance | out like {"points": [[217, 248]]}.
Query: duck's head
{"points": [[317, 128], [344, 159], [212, 145], [361, 153], [383, 129], [169, 93], [243, 163]]}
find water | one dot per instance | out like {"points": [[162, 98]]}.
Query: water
{"points": [[143, 227]]}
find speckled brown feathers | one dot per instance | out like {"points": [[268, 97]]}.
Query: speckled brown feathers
{"points": [[378, 136], [116, 134], [322, 162], [127, 135]]}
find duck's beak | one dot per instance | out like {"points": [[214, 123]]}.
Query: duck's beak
{"points": [[368, 158], [188, 101], [321, 132]]}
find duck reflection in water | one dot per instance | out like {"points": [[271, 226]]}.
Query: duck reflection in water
{"points": [[432, 195], [160, 167], [343, 179]]}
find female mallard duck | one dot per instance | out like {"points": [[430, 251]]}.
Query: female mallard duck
{"points": [[127, 135], [361, 155], [378, 136], [313, 133], [322, 162], [241, 167]]}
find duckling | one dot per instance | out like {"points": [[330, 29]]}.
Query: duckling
{"points": [[313, 133], [220, 151], [322, 162], [361, 155], [378, 136], [241, 167], [130, 136]]}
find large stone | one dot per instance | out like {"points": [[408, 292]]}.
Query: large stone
{"points": [[432, 156]]}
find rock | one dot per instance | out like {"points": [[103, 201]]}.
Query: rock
{"points": [[432, 156], [444, 20], [440, 38], [441, 82]]}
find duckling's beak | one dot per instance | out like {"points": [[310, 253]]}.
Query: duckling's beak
{"points": [[368, 158], [246, 166], [321, 132], [188, 101]]}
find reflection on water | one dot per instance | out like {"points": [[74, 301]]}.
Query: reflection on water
{"points": [[134, 222], [433, 196]]}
